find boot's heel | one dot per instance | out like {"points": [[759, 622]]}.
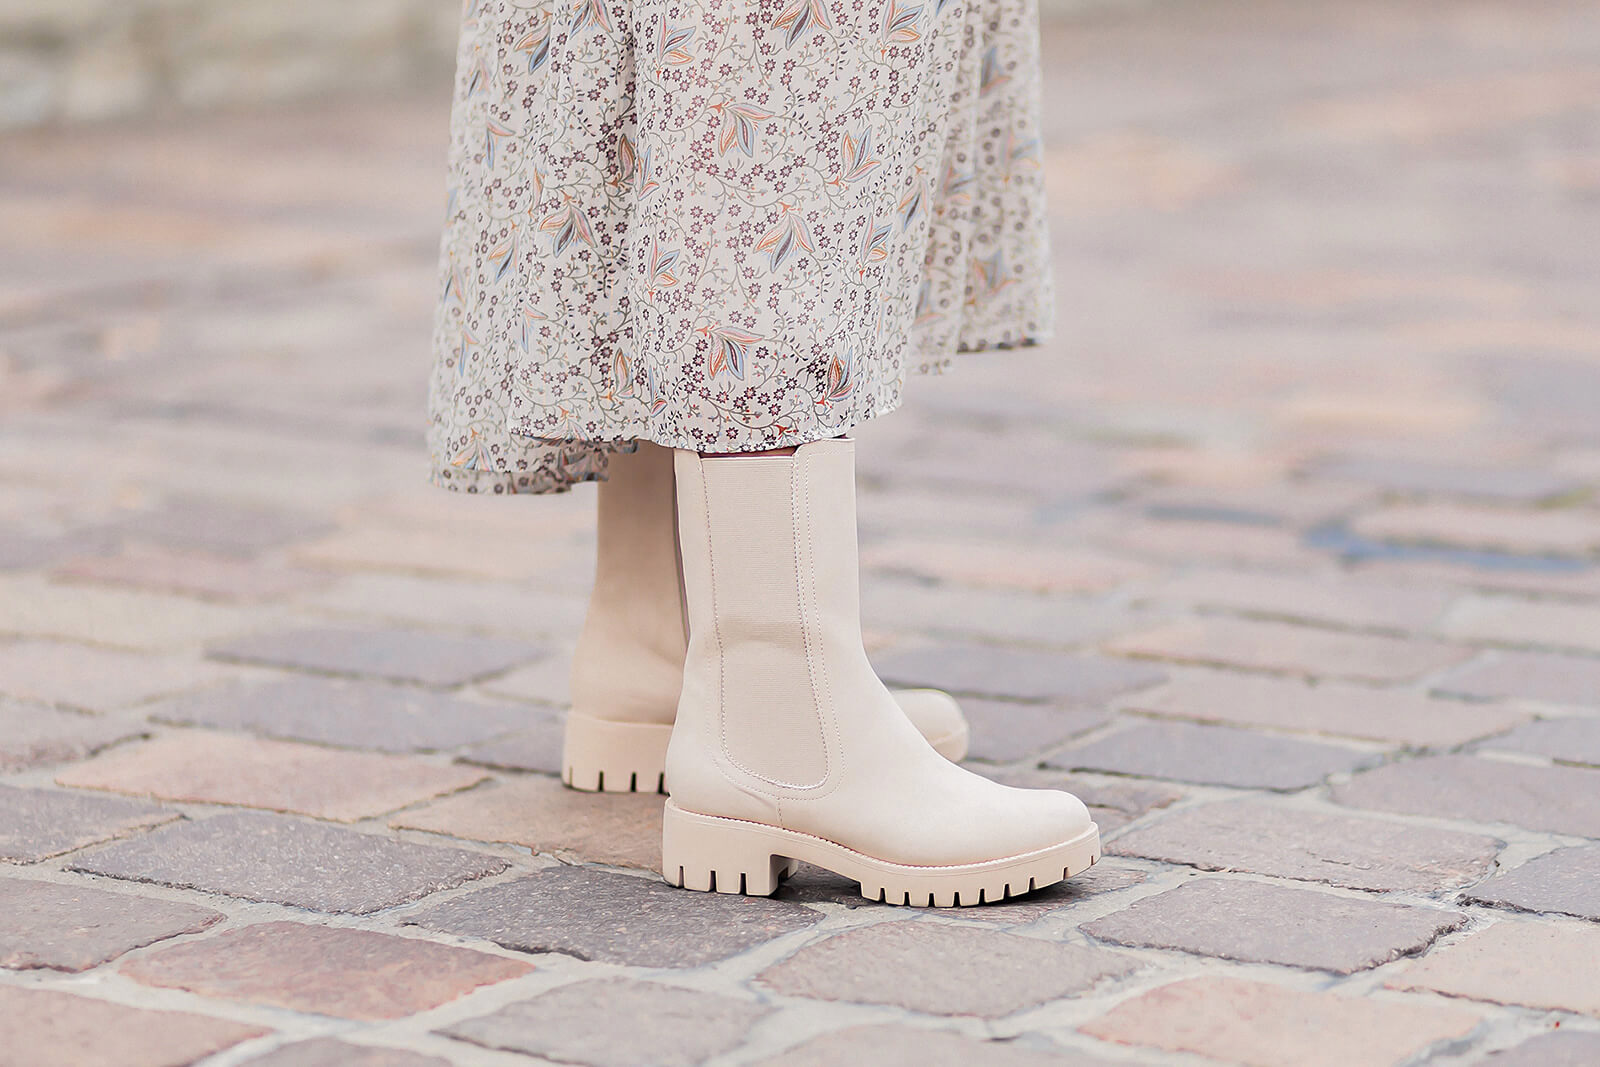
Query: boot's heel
{"points": [[719, 855], [603, 756]]}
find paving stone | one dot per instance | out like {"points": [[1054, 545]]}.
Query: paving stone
{"points": [[1525, 485], [1015, 673], [1236, 1021], [289, 861], [500, 606], [1566, 882], [75, 927], [1567, 1048], [359, 974], [31, 735], [614, 918], [898, 606], [1337, 599], [1286, 649], [1575, 740], [331, 1052], [889, 1045], [545, 681], [1561, 800], [1538, 964], [987, 973], [1186, 540], [36, 824], [1258, 922], [537, 748], [1552, 531], [398, 655], [1006, 730], [1402, 715], [97, 679], [1263, 837], [205, 767], [33, 607], [44, 1028], [192, 574], [22, 548], [1537, 676], [354, 713], [666, 1025], [213, 524], [813, 885], [427, 550], [1212, 755], [1513, 621], [1029, 568], [621, 829]]}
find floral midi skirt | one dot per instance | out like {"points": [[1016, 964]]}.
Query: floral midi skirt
{"points": [[725, 225]]}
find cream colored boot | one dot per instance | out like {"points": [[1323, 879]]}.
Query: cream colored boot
{"points": [[627, 670], [788, 747]]}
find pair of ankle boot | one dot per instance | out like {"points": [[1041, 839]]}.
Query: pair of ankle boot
{"points": [[722, 661]]}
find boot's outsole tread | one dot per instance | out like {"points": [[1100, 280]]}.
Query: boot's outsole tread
{"points": [[707, 852]]}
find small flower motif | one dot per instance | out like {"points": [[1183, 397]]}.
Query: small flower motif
{"points": [[473, 457], [660, 268], [536, 43], [857, 158], [504, 255], [910, 206], [730, 349], [899, 25], [588, 13], [738, 127], [646, 175], [874, 246], [956, 185], [841, 381], [627, 160], [787, 234], [568, 223], [672, 47], [989, 277], [802, 15], [1022, 154], [990, 76], [477, 73], [924, 312], [493, 135]]}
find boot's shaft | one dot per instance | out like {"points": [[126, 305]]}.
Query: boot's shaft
{"points": [[771, 543], [635, 632]]}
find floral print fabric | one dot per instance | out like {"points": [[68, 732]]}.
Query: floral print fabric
{"points": [[725, 225]]}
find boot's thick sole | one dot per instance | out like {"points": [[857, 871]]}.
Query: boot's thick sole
{"points": [[602, 756], [715, 854]]}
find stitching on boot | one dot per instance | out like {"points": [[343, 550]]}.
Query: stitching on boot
{"points": [[808, 609]]}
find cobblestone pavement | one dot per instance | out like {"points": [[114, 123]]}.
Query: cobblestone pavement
{"points": [[1286, 556]]}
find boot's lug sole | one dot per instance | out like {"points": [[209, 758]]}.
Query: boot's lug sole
{"points": [[711, 853], [602, 756]]}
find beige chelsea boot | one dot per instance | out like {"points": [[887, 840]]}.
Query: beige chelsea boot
{"points": [[627, 670], [787, 746]]}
